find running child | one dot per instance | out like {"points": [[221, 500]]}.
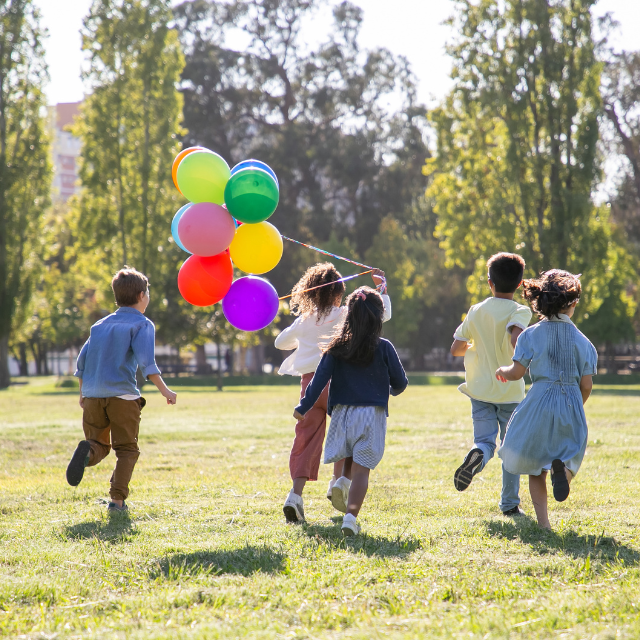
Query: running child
{"points": [[362, 369], [109, 397], [548, 430], [319, 312], [486, 339]]}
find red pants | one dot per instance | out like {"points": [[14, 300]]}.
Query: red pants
{"points": [[307, 445]]}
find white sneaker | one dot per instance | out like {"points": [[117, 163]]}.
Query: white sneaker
{"points": [[340, 494], [331, 483], [350, 526], [293, 508]]}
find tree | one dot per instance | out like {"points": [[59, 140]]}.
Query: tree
{"points": [[320, 116], [517, 146], [621, 97], [24, 160], [129, 126]]}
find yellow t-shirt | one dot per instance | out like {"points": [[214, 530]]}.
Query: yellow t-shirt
{"points": [[487, 327]]}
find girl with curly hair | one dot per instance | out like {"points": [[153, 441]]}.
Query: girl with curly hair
{"points": [[363, 370], [548, 429], [316, 300]]}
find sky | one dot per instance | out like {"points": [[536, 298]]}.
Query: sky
{"points": [[412, 28]]}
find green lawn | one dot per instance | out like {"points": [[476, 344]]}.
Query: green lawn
{"points": [[206, 553]]}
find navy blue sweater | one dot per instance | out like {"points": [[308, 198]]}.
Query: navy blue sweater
{"points": [[355, 384]]}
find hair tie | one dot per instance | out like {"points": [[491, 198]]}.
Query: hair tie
{"points": [[361, 294]]}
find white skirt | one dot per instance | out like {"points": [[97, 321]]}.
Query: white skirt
{"points": [[358, 433]]}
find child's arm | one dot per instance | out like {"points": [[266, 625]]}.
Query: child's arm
{"points": [[459, 347], [586, 385], [81, 398], [514, 372], [515, 332], [398, 380], [288, 339], [82, 356], [316, 386], [171, 396]]}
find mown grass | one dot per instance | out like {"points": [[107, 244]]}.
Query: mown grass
{"points": [[204, 552]]}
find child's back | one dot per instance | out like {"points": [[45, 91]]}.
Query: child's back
{"points": [[487, 327]]}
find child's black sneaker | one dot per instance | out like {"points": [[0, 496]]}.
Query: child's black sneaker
{"points": [[465, 472], [559, 481], [515, 512], [79, 461]]}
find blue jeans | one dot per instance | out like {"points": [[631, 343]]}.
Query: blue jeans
{"points": [[490, 421]]}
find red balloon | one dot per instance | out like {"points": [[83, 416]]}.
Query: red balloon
{"points": [[206, 229], [203, 281]]}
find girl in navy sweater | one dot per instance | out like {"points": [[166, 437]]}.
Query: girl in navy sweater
{"points": [[364, 369]]}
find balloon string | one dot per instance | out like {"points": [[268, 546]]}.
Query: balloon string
{"points": [[327, 253], [326, 284]]}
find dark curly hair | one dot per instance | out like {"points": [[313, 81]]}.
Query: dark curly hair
{"points": [[355, 339], [552, 292], [319, 301]]}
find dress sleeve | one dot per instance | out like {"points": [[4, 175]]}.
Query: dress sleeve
{"points": [[520, 318], [463, 332], [144, 349], [82, 357], [588, 359], [524, 350], [288, 339]]}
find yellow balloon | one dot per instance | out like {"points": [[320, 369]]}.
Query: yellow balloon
{"points": [[256, 248]]}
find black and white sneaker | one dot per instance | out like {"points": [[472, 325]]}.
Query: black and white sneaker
{"points": [[465, 472], [293, 508], [516, 512], [79, 461], [559, 481]]}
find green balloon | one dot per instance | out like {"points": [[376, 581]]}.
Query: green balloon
{"points": [[202, 177], [251, 195]]}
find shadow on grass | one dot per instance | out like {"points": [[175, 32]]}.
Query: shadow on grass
{"points": [[118, 528], [363, 543], [566, 542], [244, 561]]}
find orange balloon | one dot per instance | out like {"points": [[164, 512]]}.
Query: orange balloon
{"points": [[176, 162]]}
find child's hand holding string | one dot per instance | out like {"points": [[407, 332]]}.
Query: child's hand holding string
{"points": [[377, 276]]}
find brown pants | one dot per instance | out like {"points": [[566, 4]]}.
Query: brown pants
{"points": [[307, 445], [114, 422]]}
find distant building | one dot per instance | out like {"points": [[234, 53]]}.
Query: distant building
{"points": [[65, 150]]}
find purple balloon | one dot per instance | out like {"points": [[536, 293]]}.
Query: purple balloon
{"points": [[251, 304]]}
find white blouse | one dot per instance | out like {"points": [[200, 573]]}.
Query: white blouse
{"points": [[306, 336]]}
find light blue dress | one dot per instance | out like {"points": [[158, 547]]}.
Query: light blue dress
{"points": [[550, 422]]}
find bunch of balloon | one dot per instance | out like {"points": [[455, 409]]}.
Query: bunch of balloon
{"points": [[225, 224]]}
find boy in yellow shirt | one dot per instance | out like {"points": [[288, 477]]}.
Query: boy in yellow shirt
{"points": [[487, 338]]}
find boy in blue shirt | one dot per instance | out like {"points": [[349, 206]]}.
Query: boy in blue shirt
{"points": [[109, 397]]}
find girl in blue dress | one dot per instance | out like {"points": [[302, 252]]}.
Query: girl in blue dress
{"points": [[548, 429]]}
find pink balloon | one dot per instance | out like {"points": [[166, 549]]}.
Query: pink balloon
{"points": [[206, 229]]}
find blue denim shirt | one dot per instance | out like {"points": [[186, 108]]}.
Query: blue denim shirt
{"points": [[117, 345]]}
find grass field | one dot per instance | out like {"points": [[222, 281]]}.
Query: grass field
{"points": [[205, 552]]}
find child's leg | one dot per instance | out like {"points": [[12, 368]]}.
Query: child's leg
{"points": [[124, 416], [485, 429], [306, 452], [538, 491], [359, 486], [95, 424], [509, 498]]}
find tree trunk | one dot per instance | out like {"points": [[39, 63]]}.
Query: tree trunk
{"points": [[201, 360], [23, 362], [5, 378]]}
